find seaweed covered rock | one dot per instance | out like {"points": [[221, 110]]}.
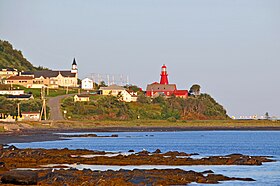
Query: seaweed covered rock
{"points": [[20, 178]]}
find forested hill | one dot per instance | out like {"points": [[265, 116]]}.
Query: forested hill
{"points": [[12, 58]]}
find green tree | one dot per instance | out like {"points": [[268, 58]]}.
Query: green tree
{"points": [[133, 88], [159, 99], [141, 98], [102, 84], [266, 116], [195, 89]]}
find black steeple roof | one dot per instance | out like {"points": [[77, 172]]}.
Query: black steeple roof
{"points": [[74, 62]]}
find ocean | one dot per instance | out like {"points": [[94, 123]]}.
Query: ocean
{"points": [[205, 143]]}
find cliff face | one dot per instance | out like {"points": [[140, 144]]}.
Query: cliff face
{"points": [[12, 58]]}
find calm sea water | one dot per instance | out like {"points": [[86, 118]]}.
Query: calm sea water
{"points": [[206, 143]]}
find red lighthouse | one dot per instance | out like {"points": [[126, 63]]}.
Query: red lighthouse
{"points": [[164, 78], [164, 88]]}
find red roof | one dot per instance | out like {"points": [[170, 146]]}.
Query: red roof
{"points": [[180, 92], [20, 78]]}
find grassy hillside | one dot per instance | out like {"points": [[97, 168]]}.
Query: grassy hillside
{"points": [[202, 107], [12, 58]]}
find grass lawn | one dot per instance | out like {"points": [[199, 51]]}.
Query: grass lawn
{"points": [[50, 93], [141, 124], [91, 124]]}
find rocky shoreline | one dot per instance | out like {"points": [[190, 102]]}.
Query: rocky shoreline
{"points": [[38, 135], [122, 177], [12, 159]]}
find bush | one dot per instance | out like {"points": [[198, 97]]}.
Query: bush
{"points": [[171, 119]]}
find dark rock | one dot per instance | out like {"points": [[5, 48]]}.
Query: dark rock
{"points": [[12, 147], [143, 153], [2, 164], [20, 178], [176, 153], [86, 170], [81, 136], [131, 151], [157, 151], [114, 135], [243, 179], [207, 172]]}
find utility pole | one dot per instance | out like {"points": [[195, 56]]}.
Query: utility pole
{"points": [[108, 79], [67, 89], [48, 91], [18, 108], [67, 86], [93, 79], [44, 109], [127, 80]]}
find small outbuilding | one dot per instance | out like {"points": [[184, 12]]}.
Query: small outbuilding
{"points": [[81, 98], [30, 116]]}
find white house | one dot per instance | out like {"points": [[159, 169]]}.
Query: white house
{"points": [[87, 84], [115, 90], [129, 96]]}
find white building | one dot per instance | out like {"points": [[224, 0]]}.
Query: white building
{"points": [[11, 92], [115, 90], [81, 98], [30, 116], [129, 96], [87, 84]]}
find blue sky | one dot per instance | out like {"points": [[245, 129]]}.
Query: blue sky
{"points": [[231, 48]]}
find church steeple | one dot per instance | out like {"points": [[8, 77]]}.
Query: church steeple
{"points": [[74, 62], [74, 67]]}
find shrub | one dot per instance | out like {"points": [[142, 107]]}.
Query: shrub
{"points": [[171, 119]]}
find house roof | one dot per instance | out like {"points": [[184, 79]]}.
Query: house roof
{"points": [[51, 73], [19, 96], [27, 73], [82, 96], [26, 113], [9, 69], [87, 79], [161, 87], [112, 87], [20, 78], [181, 92]]}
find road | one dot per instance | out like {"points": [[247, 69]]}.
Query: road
{"points": [[54, 104]]}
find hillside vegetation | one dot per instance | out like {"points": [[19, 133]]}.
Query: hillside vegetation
{"points": [[9, 107], [12, 58], [202, 107]]}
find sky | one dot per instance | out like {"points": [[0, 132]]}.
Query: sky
{"points": [[231, 48]]}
